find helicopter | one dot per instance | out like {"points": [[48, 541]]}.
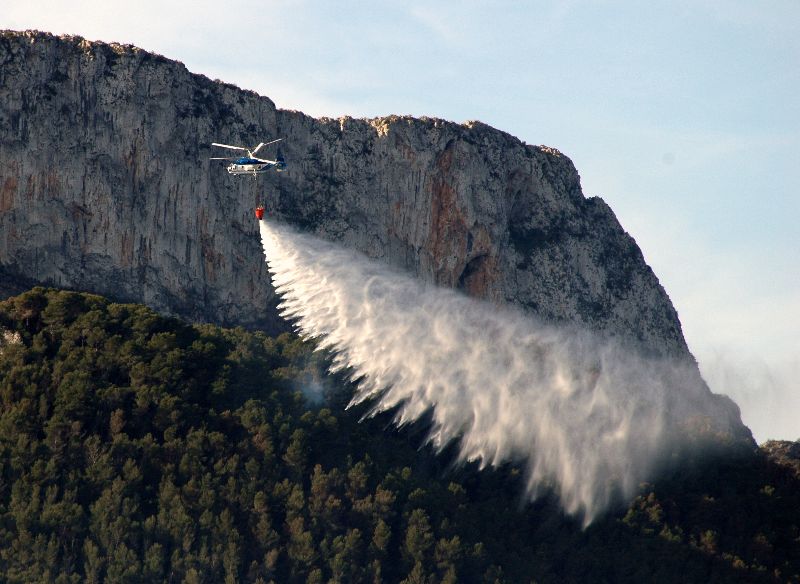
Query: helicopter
{"points": [[250, 164]]}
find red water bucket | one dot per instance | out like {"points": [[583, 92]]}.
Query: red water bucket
{"points": [[259, 213]]}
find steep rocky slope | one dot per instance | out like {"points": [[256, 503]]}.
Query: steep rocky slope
{"points": [[105, 186]]}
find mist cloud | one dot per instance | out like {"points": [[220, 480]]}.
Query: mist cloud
{"points": [[767, 391], [587, 417]]}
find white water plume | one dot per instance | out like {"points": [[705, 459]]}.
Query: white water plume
{"points": [[587, 417]]}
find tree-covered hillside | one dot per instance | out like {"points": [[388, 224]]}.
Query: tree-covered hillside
{"points": [[136, 448]]}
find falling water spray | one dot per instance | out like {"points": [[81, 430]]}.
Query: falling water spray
{"points": [[587, 417]]}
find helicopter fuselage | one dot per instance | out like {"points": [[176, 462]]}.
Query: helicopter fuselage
{"points": [[246, 165]]}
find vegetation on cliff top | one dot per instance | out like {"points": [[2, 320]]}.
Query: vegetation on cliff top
{"points": [[136, 448]]}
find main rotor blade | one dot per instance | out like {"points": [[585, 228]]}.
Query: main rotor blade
{"points": [[257, 148], [225, 158], [229, 146]]}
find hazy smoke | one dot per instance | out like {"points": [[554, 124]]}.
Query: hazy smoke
{"points": [[767, 391], [587, 417]]}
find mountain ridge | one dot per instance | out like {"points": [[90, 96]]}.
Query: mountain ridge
{"points": [[104, 187]]}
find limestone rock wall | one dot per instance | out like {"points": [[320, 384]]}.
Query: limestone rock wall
{"points": [[106, 186]]}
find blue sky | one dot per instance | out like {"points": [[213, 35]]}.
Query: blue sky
{"points": [[683, 116]]}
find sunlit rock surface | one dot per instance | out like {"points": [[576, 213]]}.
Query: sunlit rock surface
{"points": [[106, 186]]}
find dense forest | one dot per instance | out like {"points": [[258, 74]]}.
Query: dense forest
{"points": [[137, 448]]}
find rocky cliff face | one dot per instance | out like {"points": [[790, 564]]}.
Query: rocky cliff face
{"points": [[106, 186]]}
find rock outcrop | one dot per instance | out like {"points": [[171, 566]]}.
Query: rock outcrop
{"points": [[784, 453], [106, 186]]}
